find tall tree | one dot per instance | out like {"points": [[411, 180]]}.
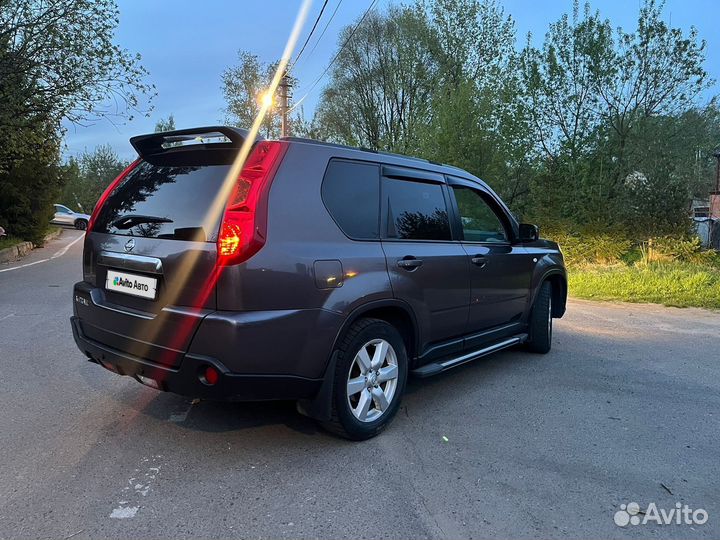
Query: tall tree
{"points": [[58, 61], [381, 84], [595, 96], [245, 85]]}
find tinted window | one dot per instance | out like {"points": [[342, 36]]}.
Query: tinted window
{"points": [[164, 201], [351, 192], [479, 222], [415, 210]]}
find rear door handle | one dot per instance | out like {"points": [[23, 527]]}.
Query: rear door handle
{"points": [[409, 263], [479, 260]]}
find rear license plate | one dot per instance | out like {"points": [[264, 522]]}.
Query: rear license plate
{"points": [[131, 284]]}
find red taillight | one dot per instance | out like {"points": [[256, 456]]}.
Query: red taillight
{"points": [[108, 191], [211, 376], [244, 225]]}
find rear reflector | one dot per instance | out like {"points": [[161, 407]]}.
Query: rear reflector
{"points": [[211, 376], [108, 191], [244, 226]]}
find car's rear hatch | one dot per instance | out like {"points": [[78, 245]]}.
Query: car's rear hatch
{"points": [[150, 256]]}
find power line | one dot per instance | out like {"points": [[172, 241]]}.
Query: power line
{"points": [[323, 32], [317, 20], [314, 84]]}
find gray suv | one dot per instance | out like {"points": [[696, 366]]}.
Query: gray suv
{"points": [[323, 274]]}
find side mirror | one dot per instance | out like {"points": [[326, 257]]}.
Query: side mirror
{"points": [[529, 233]]}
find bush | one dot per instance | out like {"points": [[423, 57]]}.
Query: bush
{"points": [[605, 249], [612, 248], [26, 196], [669, 248]]}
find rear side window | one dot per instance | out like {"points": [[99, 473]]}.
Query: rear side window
{"points": [[415, 210], [165, 200], [351, 193]]}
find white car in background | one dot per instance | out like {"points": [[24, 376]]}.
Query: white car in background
{"points": [[65, 216]]}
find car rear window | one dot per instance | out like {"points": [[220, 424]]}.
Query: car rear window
{"points": [[168, 200]]}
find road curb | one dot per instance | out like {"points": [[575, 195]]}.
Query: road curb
{"points": [[19, 251], [53, 235]]}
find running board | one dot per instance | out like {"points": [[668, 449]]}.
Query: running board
{"points": [[437, 367]]}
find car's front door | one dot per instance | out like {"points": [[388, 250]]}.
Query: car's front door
{"points": [[428, 270], [500, 270], [62, 215]]}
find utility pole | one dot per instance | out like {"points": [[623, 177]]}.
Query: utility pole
{"points": [[285, 86]]}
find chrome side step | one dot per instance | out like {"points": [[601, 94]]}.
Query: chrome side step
{"points": [[438, 367]]}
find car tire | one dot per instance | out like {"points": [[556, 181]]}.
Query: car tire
{"points": [[540, 339], [365, 399], [81, 224]]}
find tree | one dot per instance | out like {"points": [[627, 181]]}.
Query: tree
{"points": [[437, 79], [244, 86], [165, 124], [475, 40], [477, 121], [562, 82], [596, 99], [381, 84], [89, 175], [65, 53], [58, 62]]}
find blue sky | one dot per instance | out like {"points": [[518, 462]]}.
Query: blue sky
{"points": [[186, 45]]}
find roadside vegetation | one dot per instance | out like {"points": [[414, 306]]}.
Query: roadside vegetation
{"points": [[667, 270], [8, 241]]}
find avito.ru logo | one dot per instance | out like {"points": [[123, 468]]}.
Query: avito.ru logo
{"points": [[122, 282], [629, 514]]}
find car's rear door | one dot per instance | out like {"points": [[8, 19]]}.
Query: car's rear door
{"points": [[150, 258], [500, 270], [427, 268]]}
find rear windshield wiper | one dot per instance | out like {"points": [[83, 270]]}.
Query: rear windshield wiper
{"points": [[130, 220]]}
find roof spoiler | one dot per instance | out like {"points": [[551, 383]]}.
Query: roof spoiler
{"points": [[165, 141]]}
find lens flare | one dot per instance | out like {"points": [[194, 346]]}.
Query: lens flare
{"points": [[266, 99], [217, 208]]}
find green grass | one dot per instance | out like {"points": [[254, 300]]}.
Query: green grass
{"points": [[678, 284], [8, 241]]}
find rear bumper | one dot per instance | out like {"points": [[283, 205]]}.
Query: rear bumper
{"points": [[185, 379]]}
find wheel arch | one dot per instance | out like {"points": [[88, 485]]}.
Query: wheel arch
{"points": [[558, 279], [393, 311]]}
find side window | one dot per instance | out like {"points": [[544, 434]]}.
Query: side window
{"points": [[479, 221], [415, 210], [351, 193], [61, 209]]}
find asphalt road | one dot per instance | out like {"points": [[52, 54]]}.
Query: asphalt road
{"points": [[537, 446]]}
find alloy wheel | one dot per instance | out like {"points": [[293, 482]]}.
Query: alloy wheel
{"points": [[372, 380]]}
